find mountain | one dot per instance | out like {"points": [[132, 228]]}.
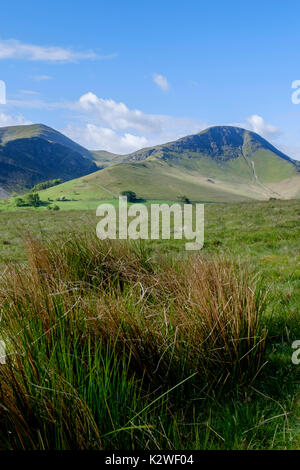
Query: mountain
{"points": [[220, 143], [35, 153], [220, 164]]}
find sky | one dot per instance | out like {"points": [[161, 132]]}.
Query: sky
{"points": [[122, 75]]}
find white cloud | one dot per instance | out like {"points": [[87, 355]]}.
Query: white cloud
{"points": [[121, 118], [13, 49], [8, 120], [99, 123], [258, 125], [97, 137], [112, 126], [161, 81], [117, 115]]}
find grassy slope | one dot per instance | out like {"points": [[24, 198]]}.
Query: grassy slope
{"points": [[154, 179], [238, 161], [221, 164], [271, 169]]}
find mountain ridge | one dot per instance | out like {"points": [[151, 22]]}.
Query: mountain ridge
{"points": [[9, 133], [210, 135], [34, 153]]}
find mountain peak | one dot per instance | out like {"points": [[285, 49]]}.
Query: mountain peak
{"points": [[216, 142]]}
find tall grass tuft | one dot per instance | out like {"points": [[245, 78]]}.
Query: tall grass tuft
{"points": [[108, 343]]}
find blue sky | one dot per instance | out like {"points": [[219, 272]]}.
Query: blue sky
{"points": [[119, 75]]}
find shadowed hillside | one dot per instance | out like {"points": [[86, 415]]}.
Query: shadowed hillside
{"points": [[35, 153]]}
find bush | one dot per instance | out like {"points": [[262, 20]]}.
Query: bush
{"points": [[131, 196], [19, 202], [184, 199], [33, 199]]}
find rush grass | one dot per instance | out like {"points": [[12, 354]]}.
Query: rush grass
{"points": [[115, 346]]}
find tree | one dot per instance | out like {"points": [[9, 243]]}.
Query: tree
{"points": [[33, 199], [46, 184], [131, 196], [184, 199], [20, 202]]}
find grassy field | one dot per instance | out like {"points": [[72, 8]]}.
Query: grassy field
{"points": [[129, 346]]}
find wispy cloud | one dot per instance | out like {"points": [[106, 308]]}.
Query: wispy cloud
{"points": [[13, 49], [39, 78], [161, 82], [29, 92], [10, 120], [38, 103]]}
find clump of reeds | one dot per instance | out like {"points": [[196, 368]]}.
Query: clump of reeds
{"points": [[96, 331]]}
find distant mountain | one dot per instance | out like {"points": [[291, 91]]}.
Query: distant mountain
{"points": [[35, 153], [222, 163], [102, 158]]}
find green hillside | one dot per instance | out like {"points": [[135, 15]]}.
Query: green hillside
{"points": [[221, 164]]}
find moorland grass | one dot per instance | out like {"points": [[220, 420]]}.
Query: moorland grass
{"points": [[129, 346], [101, 337]]}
